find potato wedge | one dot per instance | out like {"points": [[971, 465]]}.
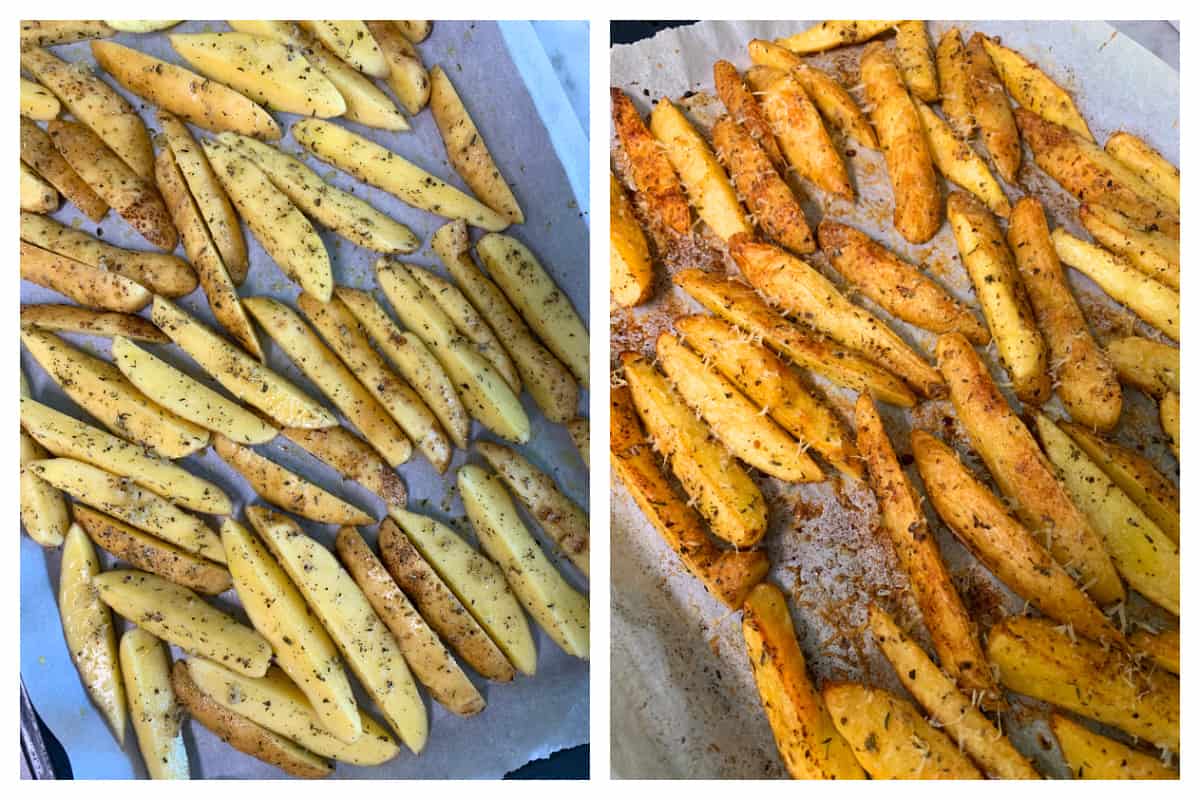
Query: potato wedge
{"points": [[97, 105], [738, 304], [721, 490], [47, 32], [286, 489], [1038, 659], [959, 163], [914, 57], [1154, 253], [548, 380], [415, 30], [284, 232], [954, 84], [1146, 162], [630, 273], [991, 111], [483, 390], [1008, 549], [178, 616], [835, 33], [954, 711], [303, 650], [428, 658], [653, 175], [86, 285], [1002, 296], [580, 430], [737, 422], [385, 170], [352, 42], [142, 25], [38, 153], [368, 647], [43, 508], [805, 734], [1034, 89], [37, 102], [37, 196], [157, 717], [451, 617], [898, 287], [78, 478], [1090, 755], [106, 324], [560, 610], [1144, 556], [241, 733], [1162, 647], [802, 291], [1146, 364], [915, 191], [1153, 302], [744, 110], [366, 103], [354, 460], [412, 359], [954, 636], [1025, 476], [1084, 377], [407, 76], [244, 378], [561, 519], [278, 705]]}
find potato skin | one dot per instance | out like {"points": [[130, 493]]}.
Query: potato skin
{"points": [[106, 324], [48, 32], [38, 153], [991, 110], [87, 285], [653, 176]]}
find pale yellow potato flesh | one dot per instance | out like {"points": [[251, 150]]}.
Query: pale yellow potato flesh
{"points": [[43, 508], [352, 42], [1146, 162], [1146, 364], [39, 155], [87, 285], [407, 77], [47, 32], [630, 273], [1154, 253], [157, 717], [63, 318], [37, 196], [354, 459]]}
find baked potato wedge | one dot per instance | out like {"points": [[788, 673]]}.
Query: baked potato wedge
{"points": [[37, 195], [43, 508], [959, 163], [991, 110], [1154, 253], [743, 109], [47, 32], [835, 33], [1034, 89], [1162, 647], [105, 324], [351, 41], [1091, 756], [141, 25], [354, 460], [954, 84], [87, 285], [38, 153], [630, 273], [37, 102], [407, 76], [914, 57], [654, 178], [1146, 364], [1146, 162], [157, 717]]}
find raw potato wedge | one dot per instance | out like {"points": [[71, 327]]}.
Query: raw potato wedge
{"points": [[244, 378], [43, 508], [898, 287], [739, 305], [37, 102], [1162, 647], [38, 153], [414, 362], [178, 616], [991, 111], [728, 575], [707, 186], [1091, 756], [653, 176], [954, 84], [1034, 89], [322, 366], [37, 196], [1146, 162], [630, 273], [88, 630], [451, 617], [202, 102], [743, 109], [287, 236], [278, 705], [809, 742], [835, 33], [277, 610], [1146, 364], [264, 70], [1144, 556], [134, 198], [1025, 476], [347, 337], [548, 380], [947, 705], [354, 460], [101, 390], [802, 291], [915, 191], [367, 645], [286, 489], [719, 487], [954, 636], [1036, 658], [580, 431], [560, 610], [341, 212], [97, 105], [1008, 549], [385, 170], [1136, 475], [1154, 253], [105, 324], [142, 25], [428, 658], [366, 103], [87, 285], [1002, 296], [352, 42], [1154, 303], [44, 33], [767, 195], [218, 285], [483, 390], [561, 519], [241, 733], [1084, 377], [407, 76], [466, 149], [959, 163], [82, 480], [157, 717], [914, 57], [415, 30], [738, 423]]}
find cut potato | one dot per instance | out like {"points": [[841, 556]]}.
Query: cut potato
{"points": [[352, 42], [743, 109], [954, 76], [1154, 253], [37, 196], [653, 176], [43, 508], [959, 163], [1034, 89], [354, 459], [37, 102], [142, 25], [835, 33], [78, 478], [580, 431], [630, 273], [1162, 647], [991, 111], [406, 75], [157, 717], [415, 30], [38, 153], [47, 32], [1146, 162], [105, 324], [914, 57], [1091, 756], [164, 521], [1146, 364]]}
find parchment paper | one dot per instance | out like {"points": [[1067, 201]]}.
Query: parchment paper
{"points": [[525, 720], [684, 702]]}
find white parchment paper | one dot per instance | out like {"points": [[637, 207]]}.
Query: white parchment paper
{"points": [[525, 720], [684, 703]]}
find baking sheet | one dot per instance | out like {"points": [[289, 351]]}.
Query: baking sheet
{"points": [[526, 720], [684, 703]]}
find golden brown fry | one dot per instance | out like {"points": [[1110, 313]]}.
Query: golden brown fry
{"points": [[1146, 162], [1092, 756], [991, 111], [743, 109], [914, 57], [653, 176], [630, 273], [1162, 647], [1152, 252], [1034, 89], [954, 85], [38, 153], [959, 163], [835, 33], [1146, 364]]}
